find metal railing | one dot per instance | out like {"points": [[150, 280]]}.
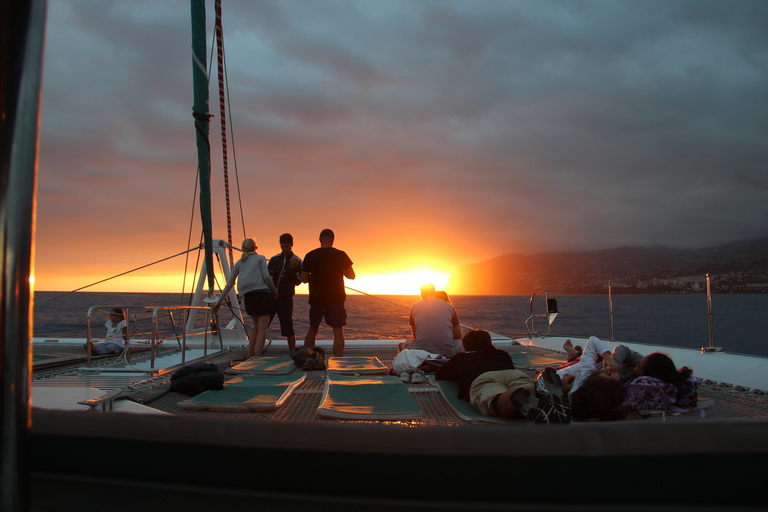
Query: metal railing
{"points": [[712, 347], [154, 335], [211, 325], [551, 313]]}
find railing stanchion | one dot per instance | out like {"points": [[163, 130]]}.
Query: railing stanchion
{"points": [[88, 343], [185, 314], [610, 309], [550, 314], [712, 347], [153, 342]]}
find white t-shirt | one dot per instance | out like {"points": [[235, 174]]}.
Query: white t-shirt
{"points": [[433, 319], [114, 331]]}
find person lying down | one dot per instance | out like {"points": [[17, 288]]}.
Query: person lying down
{"points": [[487, 378], [590, 387]]}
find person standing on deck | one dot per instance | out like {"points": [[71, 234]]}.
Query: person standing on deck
{"points": [[285, 269], [324, 269], [258, 291]]}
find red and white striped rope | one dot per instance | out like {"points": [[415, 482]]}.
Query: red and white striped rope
{"points": [[222, 113]]}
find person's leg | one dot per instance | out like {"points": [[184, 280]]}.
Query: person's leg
{"points": [[309, 339], [505, 408], [540, 409], [548, 383], [484, 394], [98, 348], [336, 318], [285, 315], [316, 315], [338, 341], [571, 352], [405, 345], [252, 337], [256, 345]]}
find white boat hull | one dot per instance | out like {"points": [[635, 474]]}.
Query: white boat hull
{"points": [[745, 371]]}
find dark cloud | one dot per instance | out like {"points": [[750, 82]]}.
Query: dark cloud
{"points": [[540, 125]]}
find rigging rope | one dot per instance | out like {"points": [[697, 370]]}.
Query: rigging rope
{"points": [[117, 275], [189, 241], [223, 116], [379, 298], [234, 153]]}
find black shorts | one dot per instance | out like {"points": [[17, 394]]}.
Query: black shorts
{"points": [[259, 303], [335, 315]]}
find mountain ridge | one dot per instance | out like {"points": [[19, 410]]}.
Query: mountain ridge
{"points": [[740, 266]]}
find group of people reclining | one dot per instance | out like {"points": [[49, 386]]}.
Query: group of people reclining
{"points": [[596, 383]]}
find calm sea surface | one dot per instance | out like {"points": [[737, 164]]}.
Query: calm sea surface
{"points": [[740, 322]]}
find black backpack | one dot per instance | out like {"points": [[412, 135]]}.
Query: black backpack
{"points": [[194, 379]]}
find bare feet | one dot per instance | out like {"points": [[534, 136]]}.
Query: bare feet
{"points": [[569, 350]]}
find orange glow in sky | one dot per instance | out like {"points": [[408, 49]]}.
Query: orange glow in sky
{"points": [[399, 283], [400, 280], [419, 170]]}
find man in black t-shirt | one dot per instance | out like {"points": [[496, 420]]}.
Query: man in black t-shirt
{"points": [[324, 269]]}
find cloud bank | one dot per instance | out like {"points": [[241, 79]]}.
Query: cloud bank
{"points": [[441, 132]]}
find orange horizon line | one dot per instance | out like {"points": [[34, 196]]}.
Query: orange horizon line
{"points": [[303, 294]]}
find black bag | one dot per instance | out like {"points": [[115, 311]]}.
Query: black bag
{"points": [[194, 379], [301, 354]]}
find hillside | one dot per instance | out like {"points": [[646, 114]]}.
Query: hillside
{"points": [[734, 267]]}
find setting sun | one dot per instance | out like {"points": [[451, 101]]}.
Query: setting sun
{"points": [[398, 283]]}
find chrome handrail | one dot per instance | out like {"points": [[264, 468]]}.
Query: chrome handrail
{"points": [[210, 315], [155, 338], [712, 347], [549, 315]]}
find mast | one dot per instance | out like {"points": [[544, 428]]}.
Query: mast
{"points": [[22, 27], [202, 123]]}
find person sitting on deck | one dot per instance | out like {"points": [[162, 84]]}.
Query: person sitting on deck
{"points": [[434, 324], [117, 333], [488, 379]]}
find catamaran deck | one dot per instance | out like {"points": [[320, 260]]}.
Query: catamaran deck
{"points": [[292, 459], [730, 403]]}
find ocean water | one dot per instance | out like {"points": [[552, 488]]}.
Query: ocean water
{"points": [[740, 321]]}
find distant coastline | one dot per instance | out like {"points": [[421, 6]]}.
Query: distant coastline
{"points": [[738, 267]]}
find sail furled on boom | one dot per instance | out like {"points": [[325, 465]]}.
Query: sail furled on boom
{"points": [[202, 124]]}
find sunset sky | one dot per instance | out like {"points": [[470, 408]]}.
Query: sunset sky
{"points": [[426, 134]]}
